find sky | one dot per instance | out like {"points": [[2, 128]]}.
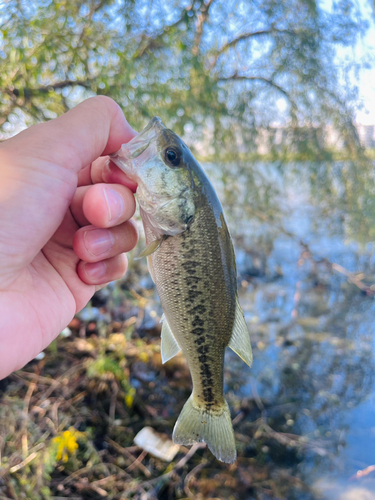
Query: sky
{"points": [[365, 49], [366, 83], [367, 97]]}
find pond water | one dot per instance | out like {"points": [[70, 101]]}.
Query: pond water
{"points": [[313, 335]]}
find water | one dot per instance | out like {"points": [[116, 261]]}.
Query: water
{"points": [[313, 335]]}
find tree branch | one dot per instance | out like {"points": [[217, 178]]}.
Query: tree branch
{"points": [[94, 8], [269, 82], [154, 42], [29, 92], [245, 36], [201, 19]]}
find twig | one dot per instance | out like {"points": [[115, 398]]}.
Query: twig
{"points": [[288, 439], [178, 466], [29, 92], [75, 474], [104, 480], [58, 381], [22, 464], [90, 486], [12, 491], [136, 462], [189, 454], [112, 407], [26, 404], [237, 419], [352, 278], [128, 455], [267, 81], [157, 41], [256, 396], [44, 380], [190, 476], [76, 398], [245, 36], [363, 472], [296, 300], [201, 19]]}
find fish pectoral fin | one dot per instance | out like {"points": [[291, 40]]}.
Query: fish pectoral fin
{"points": [[150, 268], [240, 339], [169, 345], [151, 248]]}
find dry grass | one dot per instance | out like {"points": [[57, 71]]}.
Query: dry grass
{"points": [[67, 425]]}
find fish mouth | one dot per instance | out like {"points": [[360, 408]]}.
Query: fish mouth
{"points": [[154, 124], [126, 157], [148, 134], [141, 141]]}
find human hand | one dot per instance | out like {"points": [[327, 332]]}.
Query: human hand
{"points": [[59, 243]]}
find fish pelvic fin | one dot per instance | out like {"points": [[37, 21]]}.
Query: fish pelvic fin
{"points": [[213, 427], [240, 339], [151, 248], [169, 345]]}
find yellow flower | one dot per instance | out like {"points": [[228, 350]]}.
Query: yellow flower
{"points": [[143, 357], [129, 398], [66, 444]]}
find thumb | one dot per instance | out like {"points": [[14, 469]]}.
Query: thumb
{"points": [[38, 174]]}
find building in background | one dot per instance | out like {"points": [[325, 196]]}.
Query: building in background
{"points": [[277, 138], [366, 135]]}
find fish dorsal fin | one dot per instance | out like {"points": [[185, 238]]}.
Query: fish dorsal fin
{"points": [[240, 339], [169, 345], [151, 248]]}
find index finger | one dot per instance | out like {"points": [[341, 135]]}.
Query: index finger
{"points": [[94, 128], [104, 170]]}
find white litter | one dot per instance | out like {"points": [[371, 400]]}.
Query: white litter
{"points": [[157, 444]]}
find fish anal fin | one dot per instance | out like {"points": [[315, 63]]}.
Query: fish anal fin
{"points": [[196, 425], [151, 248], [240, 339], [169, 345]]}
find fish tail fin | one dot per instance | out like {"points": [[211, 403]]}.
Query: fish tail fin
{"points": [[213, 427]]}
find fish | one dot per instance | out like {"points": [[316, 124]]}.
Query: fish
{"points": [[191, 260]]}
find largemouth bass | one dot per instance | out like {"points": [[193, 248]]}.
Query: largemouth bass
{"points": [[192, 262]]}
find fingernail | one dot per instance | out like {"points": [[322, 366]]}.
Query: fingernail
{"points": [[95, 271], [98, 241], [115, 204]]}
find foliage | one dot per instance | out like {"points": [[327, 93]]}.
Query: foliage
{"points": [[217, 67], [223, 74]]}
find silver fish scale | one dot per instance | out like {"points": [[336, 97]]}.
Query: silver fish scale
{"points": [[195, 278]]}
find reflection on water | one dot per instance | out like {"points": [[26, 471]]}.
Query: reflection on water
{"points": [[312, 329]]}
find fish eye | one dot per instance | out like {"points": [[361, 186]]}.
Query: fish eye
{"points": [[173, 157]]}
